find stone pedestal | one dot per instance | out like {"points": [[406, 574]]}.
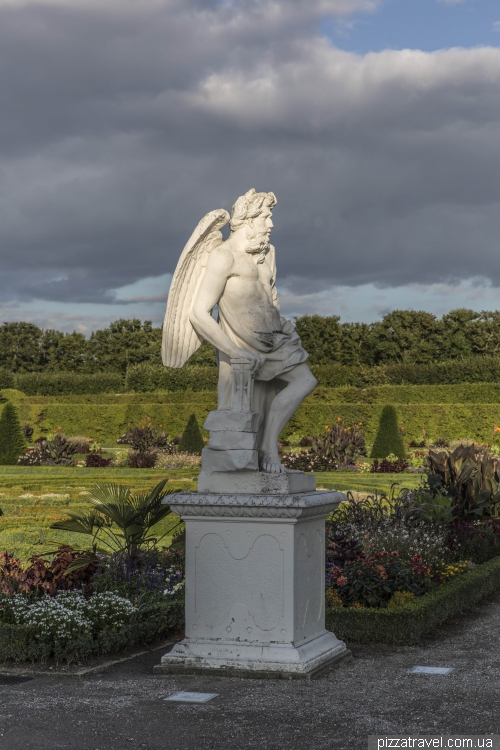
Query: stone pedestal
{"points": [[255, 585]]}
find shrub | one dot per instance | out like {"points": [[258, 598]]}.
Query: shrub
{"points": [[12, 442], [115, 507], [96, 461], [371, 581], [469, 477], [416, 444], [343, 443], [19, 642], [191, 440], [41, 575], [441, 442], [143, 459], [152, 574], [27, 431], [83, 444], [7, 378], [57, 451], [478, 542], [388, 466], [388, 439], [145, 378], [308, 461], [60, 383], [407, 624], [399, 599], [69, 615], [146, 437]]}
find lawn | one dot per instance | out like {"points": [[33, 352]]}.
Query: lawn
{"points": [[32, 498]]}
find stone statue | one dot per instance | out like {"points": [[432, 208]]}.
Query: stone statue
{"points": [[255, 532], [239, 277]]}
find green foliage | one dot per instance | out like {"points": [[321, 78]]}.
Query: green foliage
{"points": [[371, 581], [468, 477], [7, 378], [118, 519], [146, 378], [321, 337], [408, 624], [122, 344], [388, 439], [61, 383], [58, 450], [191, 440], [404, 347], [474, 369], [12, 442], [19, 643], [344, 444]]}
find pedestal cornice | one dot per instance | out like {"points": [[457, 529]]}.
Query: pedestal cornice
{"points": [[300, 505]]}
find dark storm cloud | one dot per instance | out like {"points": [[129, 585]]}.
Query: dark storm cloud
{"points": [[121, 126]]}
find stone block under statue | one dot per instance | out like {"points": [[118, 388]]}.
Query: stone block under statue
{"points": [[255, 586]]}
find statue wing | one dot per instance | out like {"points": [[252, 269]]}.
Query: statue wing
{"points": [[180, 340]]}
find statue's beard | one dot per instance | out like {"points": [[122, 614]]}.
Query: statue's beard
{"points": [[258, 242]]}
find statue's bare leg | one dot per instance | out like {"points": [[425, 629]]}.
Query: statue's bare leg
{"points": [[301, 382]]}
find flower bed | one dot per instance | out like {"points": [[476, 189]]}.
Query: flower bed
{"points": [[407, 624], [71, 610], [24, 642]]}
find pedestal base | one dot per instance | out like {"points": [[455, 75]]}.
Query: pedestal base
{"points": [[255, 482], [255, 584], [275, 661]]}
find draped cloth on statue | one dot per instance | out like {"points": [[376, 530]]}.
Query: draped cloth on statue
{"points": [[282, 352]]}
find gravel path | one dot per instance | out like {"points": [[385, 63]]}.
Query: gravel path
{"points": [[125, 707]]}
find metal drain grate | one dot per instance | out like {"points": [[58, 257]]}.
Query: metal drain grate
{"points": [[13, 679]]}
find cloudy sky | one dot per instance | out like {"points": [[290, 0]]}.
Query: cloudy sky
{"points": [[375, 122]]}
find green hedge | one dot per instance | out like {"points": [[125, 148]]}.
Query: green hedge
{"points": [[473, 393], [18, 642], [146, 378], [471, 370], [149, 377], [106, 421], [408, 624], [57, 384]]}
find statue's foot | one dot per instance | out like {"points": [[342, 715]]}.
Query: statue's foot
{"points": [[270, 463]]}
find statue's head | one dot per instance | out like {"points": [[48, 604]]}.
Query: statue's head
{"points": [[253, 210]]}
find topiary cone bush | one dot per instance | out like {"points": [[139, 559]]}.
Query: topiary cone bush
{"points": [[191, 440], [388, 440], [12, 442]]}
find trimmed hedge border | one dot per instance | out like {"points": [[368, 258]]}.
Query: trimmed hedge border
{"points": [[407, 625], [18, 642]]}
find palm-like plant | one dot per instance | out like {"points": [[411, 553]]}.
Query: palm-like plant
{"points": [[119, 521]]}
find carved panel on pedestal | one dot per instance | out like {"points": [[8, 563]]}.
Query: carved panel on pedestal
{"points": [[239, 588], [310, 580]]}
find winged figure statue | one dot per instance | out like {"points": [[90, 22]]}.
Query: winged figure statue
{"points": [[238, 276]]}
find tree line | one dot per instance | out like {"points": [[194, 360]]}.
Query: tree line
{"points": [[401, 336]]}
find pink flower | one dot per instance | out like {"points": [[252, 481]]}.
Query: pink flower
{"points": [[341, 581]]}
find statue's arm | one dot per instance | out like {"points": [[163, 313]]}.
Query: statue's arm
{"points": [[219, 268], [217, 272]]}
